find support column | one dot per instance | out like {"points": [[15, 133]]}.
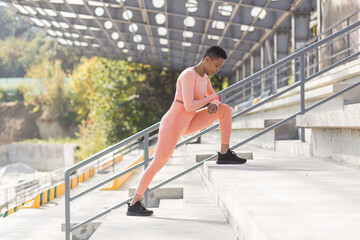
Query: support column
{"points": [[262, 65], [251, 73], [237, 72], [282, 50], [299, 35], [319, 31], [275, 83]]}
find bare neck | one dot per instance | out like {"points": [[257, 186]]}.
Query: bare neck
{"points": [[200, 69]]}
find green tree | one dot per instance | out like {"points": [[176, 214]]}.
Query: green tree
{"points": [[6, 23], [54, 98], [11, 51]]}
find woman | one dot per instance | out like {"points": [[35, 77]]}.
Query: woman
{"points": [[182, 118]]}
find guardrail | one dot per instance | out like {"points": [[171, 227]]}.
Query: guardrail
{"points": [[299, 56], [319, 58], [26, 191]]}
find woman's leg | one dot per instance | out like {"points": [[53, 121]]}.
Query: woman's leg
{"points": [[203, 119], [163, 152], [172, 126]]}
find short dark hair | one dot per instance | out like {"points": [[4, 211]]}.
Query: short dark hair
{"points": [[215, 51]]}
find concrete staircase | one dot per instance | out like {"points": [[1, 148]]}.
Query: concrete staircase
{"points": [[278, 196], [287, 190], [195, 216], [293, 189]]}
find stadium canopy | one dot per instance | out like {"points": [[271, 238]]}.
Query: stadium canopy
{"points": [[167, 33]]}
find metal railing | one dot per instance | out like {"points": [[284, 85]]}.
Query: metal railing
{"points": [[299, 56], [19, 193], [318, 59]]}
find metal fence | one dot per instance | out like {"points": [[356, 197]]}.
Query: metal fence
{"points": [[302, 76], [315, 60]]}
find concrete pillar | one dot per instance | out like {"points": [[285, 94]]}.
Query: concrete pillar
{"points": [[281, 50], [243, 77], [262, 66], [358, 37], [237, 72], [319, 30], [274, 86], [299, 35], [244, 71], [251, 73]]}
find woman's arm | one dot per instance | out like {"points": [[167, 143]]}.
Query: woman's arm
{"points": [[188, 84], [210, 90]]}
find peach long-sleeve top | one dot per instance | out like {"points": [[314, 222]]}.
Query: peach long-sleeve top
{"points": [[194, 90]]}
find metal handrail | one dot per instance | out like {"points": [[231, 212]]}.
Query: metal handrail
{"points": [[329, 29], [145, 133]]}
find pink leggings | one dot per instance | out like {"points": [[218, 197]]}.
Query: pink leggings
{"points": [[176, 123]]}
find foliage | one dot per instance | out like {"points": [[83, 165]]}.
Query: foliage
{"points": [[11, 51], [54, 99], [11, 23], [219, 82], [115, 99], [50, 140], [11, 95], [22, 45]]}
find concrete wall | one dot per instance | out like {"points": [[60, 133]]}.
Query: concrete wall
{"points": [[340, 145], [53, 129], [43, 156], [332, 12], [3, 155]]}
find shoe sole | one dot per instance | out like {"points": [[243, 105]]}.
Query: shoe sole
{"points": [[138, 214], [217, 162]]}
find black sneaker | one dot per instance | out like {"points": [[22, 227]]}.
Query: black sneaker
{"points": [[229, 158], [138, 209]]}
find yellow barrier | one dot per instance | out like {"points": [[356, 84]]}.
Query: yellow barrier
{"points": [[74, 182], [63, 188], [86, 175], [117, 183], [58, 190], [36, 202], [52, 191], [110, 163], [45, 196], [81, 178]]}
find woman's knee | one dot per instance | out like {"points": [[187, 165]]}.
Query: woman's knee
{"points": [[225, 108]]}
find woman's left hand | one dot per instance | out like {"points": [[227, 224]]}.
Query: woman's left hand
{"points": [[212, 108]]}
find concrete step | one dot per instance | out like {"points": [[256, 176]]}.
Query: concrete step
{"points": [[196, 216], [196, 219], [294, 147], [278, 196], [348, 72], [200, 152], [334, 135], [185, 218], [171, 203], [316, 89], [352, 107], [335, 119]]}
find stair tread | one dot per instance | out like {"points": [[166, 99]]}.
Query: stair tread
{"points": [[287, 197]]}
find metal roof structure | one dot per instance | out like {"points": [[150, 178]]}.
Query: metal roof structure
{"points": [[168, 33]]}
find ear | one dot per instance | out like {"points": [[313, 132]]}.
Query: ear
{"points": [[207, 59]]}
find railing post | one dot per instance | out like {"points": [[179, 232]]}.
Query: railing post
{"points": [[331, 48], [274, 83], [113, 162], [67, 206], [146, 163], [302, 93], [348, 39]]}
